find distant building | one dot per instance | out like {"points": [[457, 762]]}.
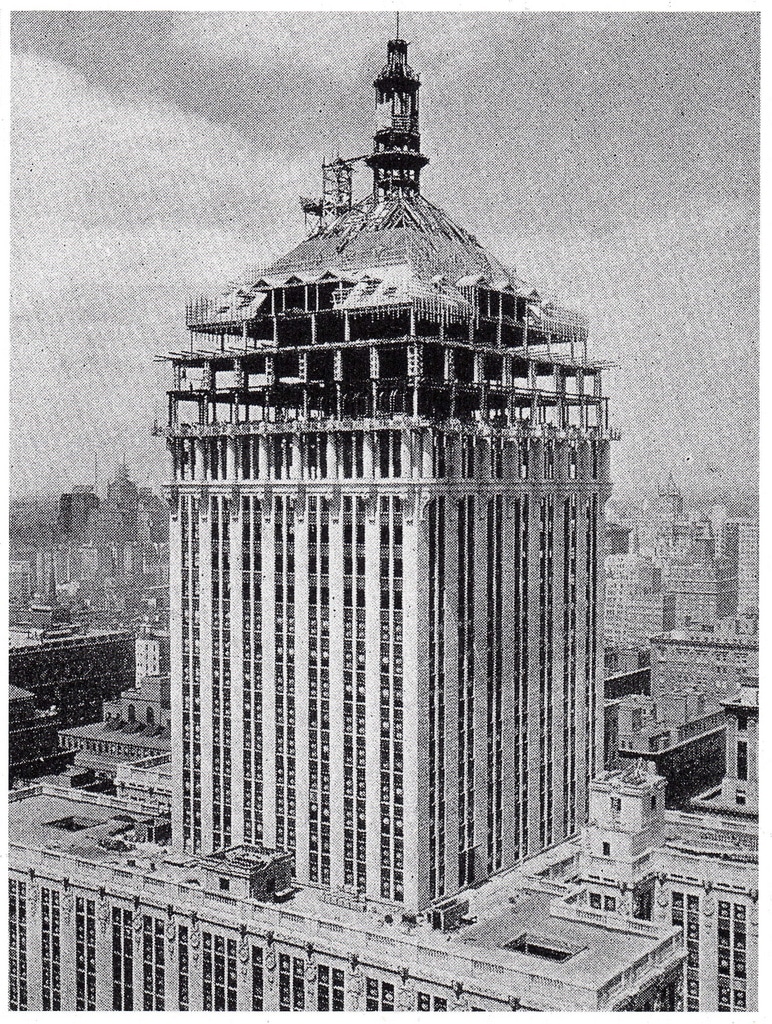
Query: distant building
{"points": [[21, 584], [716, 659], [679, 735], [702, 591], [32, 740], [636, 607], [152, 655], [628, 670], [74, 672], [75, 508], [617, 539], [741, 546]]}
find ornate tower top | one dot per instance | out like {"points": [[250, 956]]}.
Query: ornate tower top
{"points": [[396, 159]]}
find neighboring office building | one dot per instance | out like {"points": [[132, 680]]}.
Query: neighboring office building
{"points": [[74, 672], [152, 657], [74, 511], [636, 606], [715, 659], [679, 735], [21, 584], [353, 474], [146, 782], [617, 539], [702, 591], [698, 872], [627, 670]]}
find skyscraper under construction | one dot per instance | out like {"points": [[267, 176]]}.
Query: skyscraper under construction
{"points": [[390, 461]]}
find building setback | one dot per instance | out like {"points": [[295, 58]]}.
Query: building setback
{"points": [[391, 459]]}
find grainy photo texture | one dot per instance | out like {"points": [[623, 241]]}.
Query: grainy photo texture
{"points": [[384, 511]]}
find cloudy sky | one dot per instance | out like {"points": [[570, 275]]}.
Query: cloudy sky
{"points": [[612, 158]]}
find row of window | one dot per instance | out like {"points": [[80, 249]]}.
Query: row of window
{"points": [[341, 455]]}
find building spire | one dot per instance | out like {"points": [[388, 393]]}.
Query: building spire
{"points": [[396, 159]]}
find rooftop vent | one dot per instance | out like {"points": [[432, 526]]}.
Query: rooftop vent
{"points": [[546, 949]]}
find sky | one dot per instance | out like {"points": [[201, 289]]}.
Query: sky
{"points": [[610, 158]]}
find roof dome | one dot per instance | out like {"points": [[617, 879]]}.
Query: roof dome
{"points": [[401, 228]]}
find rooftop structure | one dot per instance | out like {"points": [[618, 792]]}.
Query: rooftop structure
{"points": [[739, 790]]}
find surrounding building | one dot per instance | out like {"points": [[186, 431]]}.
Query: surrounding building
{"points": [[113, 919], [637, 608], [627, 670], [617, 539], [679, 735], [717, 659], [135, 726], [391, 459], [741, 547], [739, 790], [703, 591], [75, 508], [32, 740], [152, 652], [21, 584], [73, 672]]}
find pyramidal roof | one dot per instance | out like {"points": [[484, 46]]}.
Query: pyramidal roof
{"points": [[400, 229]]}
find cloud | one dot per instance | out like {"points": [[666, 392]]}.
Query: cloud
{"points": [[612, 157]]}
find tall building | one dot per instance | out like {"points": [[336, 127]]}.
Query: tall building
{"points": [[741, 547], [636, 606], [702, 591], [391, 459], [74, 510]]}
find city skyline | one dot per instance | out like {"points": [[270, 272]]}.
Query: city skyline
{"points": [[672, 146]]}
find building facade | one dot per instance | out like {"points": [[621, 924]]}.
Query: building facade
{"points": [[391, 460], [636, 606], [741, 548], [74, 672], [716, 660]]}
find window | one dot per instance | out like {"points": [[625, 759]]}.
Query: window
{"points": [[17, 920], [183, 969], [153, 972], [219, 972], [379, 995], [595, 900], [742, 760], [257, 978], [609, 903], [607, 849], [85, 954], [51, 950], [330, 991], [292, 991], [123, 960]]}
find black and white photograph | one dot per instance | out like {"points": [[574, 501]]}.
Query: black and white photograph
{"points": [[383, 594]]}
